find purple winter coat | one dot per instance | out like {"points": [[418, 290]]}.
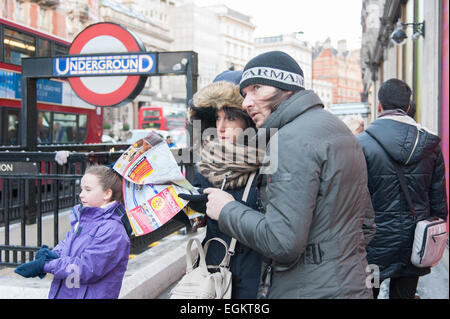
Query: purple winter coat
{"points": [[93, 256]]}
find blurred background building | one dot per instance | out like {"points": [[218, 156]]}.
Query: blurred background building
{"points": [[224, 39]]}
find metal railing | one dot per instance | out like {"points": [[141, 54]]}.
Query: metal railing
{"points": [[50, 189]]}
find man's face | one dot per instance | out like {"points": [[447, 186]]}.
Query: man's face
{"points": [[260, 100]]}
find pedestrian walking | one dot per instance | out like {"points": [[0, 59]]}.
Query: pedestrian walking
{"points": [[317, 216], [397, 139], [91, 261], [219, 108]]}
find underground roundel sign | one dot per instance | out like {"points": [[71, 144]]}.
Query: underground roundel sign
{"points": [[106, 48]]}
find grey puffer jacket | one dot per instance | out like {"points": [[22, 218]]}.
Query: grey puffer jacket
{"points": [[316, 204]]}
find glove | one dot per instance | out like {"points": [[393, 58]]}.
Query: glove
{"points": [[48, 253], [61, 157], [32, 269], [196, 202]]}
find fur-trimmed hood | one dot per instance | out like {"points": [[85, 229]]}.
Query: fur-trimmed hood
{"points": [[210, 99]]}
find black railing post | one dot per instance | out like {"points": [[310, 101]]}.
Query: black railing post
{"points": [[28, 136], [191, 89]]}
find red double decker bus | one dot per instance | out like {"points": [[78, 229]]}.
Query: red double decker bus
{"points": [[62, 116], [156, 117]]}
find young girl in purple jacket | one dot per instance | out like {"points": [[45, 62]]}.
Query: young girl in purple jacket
{"points": [[91, 261]]}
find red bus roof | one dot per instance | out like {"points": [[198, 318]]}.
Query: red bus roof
{"points": [[28, 29]]}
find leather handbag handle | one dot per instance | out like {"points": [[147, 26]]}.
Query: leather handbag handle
{"points": [[224, 261], [202, 262]]}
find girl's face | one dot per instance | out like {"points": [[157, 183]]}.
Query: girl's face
{"points": [[92, 193], [229, 128]]}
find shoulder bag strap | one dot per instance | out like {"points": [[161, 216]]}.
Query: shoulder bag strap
{"points": [[401, 178], [244, 199]]}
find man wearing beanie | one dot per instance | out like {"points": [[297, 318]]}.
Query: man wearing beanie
{"points": [[316, 203], [396, 139]]}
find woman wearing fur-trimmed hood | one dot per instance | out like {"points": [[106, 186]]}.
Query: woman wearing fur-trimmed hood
{"points": [[224, 152]]}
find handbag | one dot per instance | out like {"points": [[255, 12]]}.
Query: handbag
{"points": [[199, 282], [430, 235]]}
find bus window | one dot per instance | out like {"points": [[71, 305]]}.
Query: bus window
{"points": [[151, 113], [13, 128], [64, 128], [82, 127], [18, 45], [44, 47], [43, 129], [61, 49]]}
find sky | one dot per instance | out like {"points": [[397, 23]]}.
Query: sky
{"points": [[318, 19]]}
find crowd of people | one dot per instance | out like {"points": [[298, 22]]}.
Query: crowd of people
{"points": [[326, 203]]}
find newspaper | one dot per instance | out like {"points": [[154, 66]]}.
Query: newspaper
{"points": [[152, 182]]}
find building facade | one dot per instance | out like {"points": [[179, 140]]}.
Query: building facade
{"points": [[340, 67], [221, 37], [324, 90], [291, 44]]}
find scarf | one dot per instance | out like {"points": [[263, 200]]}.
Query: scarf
{"points": [[220, 158], [396, 112]]}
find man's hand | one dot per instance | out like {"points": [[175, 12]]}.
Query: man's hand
{"points": [[217, 199]]}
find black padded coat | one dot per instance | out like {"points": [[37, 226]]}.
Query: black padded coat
{"points": [[245, 265], [419, 150]]}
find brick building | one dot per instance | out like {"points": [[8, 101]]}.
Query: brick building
{"points": [[341, 68]]}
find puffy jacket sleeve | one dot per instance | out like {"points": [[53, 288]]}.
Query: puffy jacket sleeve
{"points": [[60, 247], [438, 194], [73, 218], [109, 247], [282, 232]]}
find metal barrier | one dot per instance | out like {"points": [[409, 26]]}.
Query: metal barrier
{"points": [[38, 187]]}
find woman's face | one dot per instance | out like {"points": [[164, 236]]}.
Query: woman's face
{"points": [[229, 128]]}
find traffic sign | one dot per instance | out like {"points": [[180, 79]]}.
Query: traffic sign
{"points": [[103, 42]]}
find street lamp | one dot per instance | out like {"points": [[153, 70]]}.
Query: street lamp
{"points": [[398, 37]]}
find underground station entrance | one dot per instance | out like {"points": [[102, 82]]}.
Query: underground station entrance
{"points": [[107, 66]]}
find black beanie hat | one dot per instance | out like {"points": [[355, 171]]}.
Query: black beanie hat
{"points": [[274, 68]]}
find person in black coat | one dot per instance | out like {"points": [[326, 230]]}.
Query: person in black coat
{"points": [[219, 108], [395, 136]]}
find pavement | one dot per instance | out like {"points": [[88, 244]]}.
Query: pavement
{"points": [[435, 285], [152, 273]]}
